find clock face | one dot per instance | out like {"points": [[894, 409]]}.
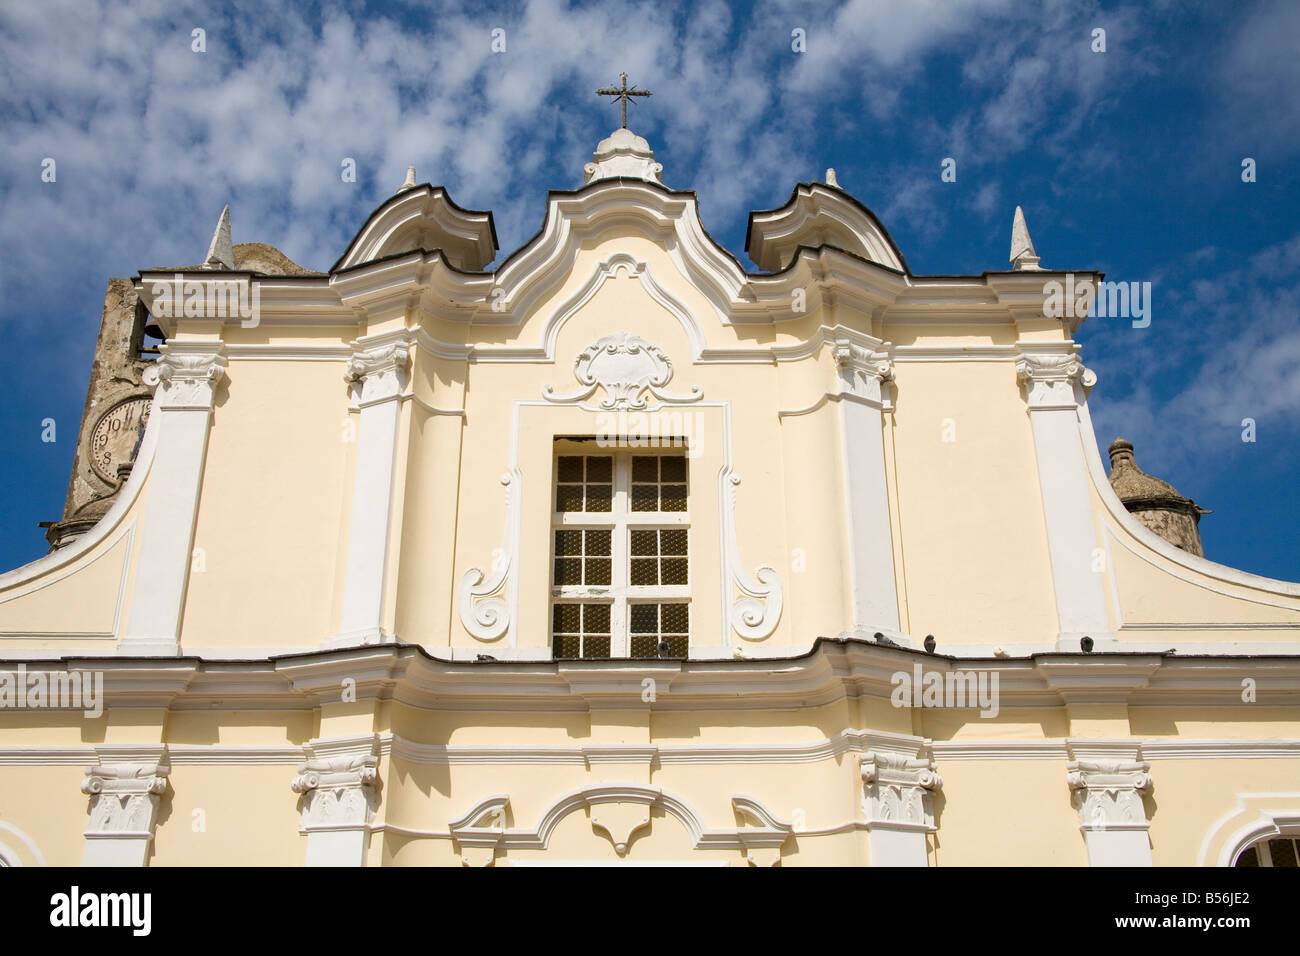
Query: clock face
{"points": [[115, 436]]}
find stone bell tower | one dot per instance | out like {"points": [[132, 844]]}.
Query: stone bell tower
{"points": [[117, 399], [113, 419], [1155, 503]]}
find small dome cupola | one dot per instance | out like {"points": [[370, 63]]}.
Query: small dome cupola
{"points": [[1155, 503], [623, 154]]}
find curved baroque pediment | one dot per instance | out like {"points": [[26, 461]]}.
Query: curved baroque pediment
{"points": [[819, 215], [424, 217]]}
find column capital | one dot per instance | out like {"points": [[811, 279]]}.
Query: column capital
{"points": [[897, 790], [378, 373], [125, 789], [862, 371], [124, 797], [185, 377], [1108, 793], [338, 784], [337, 792], [1050, 377]]}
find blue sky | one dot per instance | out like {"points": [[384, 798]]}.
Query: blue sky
{"points": [[1128, 161]]}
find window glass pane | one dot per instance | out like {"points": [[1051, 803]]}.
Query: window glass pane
{"points": [[676, 618], [597, 647], [600, 498], [673, 541], [568, 646], [569, 468], [644, 645], [595, 618], [598, 541], [672, 498], [568, 498], [645, 618], [644, 542], [673, 468], [677, 647], [1249, 857], [568, 571], [598, 571], [600, 469], [565, 618], [645, 497], [568, 543], [1282, 852], [645, 572], [645, 468], [673, 571]]}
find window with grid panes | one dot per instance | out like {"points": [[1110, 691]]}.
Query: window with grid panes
{"points": [[1277, 851], [620, 564]]}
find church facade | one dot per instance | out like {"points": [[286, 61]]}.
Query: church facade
{"points": [[622, 552]]}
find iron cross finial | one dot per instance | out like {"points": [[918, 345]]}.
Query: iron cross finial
{"points": [[622, 94]]}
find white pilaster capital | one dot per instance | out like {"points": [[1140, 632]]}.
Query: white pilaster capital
{"points": [[897, 790], [378, 374], [862, 371], [338, 785], [124, 797], [1050, 377], [185, 377], [1108, 792]]}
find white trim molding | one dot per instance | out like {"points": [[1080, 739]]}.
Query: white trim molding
{"points": [[1108, 781], [608, 269], [185, 381], [618, 811], [125, 788], [1276, 814], [1153, 542], [377, 375], [863, 371], [487, 606], [1051, 374], [12, 857]]}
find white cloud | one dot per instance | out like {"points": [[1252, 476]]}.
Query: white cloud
{"points": [[1233, 348]]}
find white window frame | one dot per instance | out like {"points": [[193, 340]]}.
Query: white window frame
{"points": [[1263, 853], [621, 521]]}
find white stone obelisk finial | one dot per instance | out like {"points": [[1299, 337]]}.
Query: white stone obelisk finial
{"points": [[410, 180], [830, 178], [221, 254], [1022, 247]]}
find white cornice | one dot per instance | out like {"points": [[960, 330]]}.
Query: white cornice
{"points": [[835, 671], [403, 749]]}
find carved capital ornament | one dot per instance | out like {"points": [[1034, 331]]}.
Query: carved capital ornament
{"points": [[185, 378]]}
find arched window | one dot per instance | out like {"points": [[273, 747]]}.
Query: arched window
{"points": [[1271, 851]]}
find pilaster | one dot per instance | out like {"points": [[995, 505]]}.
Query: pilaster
{"points": [[185, 380], [377, 375], [897, 791], [339, 788], [1107, 782], [862, 373], [1052, 374], [125, 790]]}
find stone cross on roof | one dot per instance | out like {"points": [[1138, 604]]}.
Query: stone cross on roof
{"points": [[622, 94]]}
